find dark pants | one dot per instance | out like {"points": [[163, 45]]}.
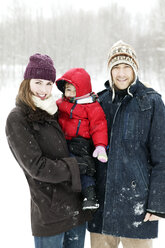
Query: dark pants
{"points": [[87, 181]]}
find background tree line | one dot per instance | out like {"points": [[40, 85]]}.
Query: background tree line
{"points": [[81, 39]]}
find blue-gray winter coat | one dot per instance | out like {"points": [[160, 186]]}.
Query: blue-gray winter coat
{"points": [[133, 180]]}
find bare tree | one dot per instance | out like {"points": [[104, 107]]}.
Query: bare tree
{"points": [[81, 38]]}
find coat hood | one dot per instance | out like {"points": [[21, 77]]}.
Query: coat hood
{"points": [[79, 78]]}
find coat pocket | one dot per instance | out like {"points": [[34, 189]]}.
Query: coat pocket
{"points": [[136, 125], [63, 203], [49, 205], [138, 180], [131, 126]]}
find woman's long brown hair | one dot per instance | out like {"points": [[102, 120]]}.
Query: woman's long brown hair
{"points": [[25, 94]]}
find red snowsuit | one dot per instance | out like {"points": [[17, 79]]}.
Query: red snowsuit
{"points": [[86, 120]]}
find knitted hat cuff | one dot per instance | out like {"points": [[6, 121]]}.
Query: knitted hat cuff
{"points": [[122, 52], [123, 59], [38, 73]]}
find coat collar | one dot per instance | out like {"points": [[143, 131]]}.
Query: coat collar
{"points": [[131, 89], [35, 116], [137, 89]]}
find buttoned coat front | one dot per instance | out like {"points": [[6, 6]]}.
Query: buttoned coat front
{"points": [[133, 180]]}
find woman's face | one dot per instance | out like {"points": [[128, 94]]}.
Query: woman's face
{"points": [[41, 88]]}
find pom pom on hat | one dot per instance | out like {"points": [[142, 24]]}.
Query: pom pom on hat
{"points": [[40, 67]]}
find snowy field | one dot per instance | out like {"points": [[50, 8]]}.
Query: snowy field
{"points": [[15, 198]]}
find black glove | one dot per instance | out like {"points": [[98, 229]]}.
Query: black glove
{"points": [[86, 165], [80, 146]]}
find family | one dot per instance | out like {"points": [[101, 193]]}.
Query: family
{"points": [[92, 161]]}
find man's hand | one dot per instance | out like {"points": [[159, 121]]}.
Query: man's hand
{"points": [[151, 217]]}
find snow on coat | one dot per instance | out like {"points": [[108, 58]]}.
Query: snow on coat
{"points": [[134, 179], [39, 146]]}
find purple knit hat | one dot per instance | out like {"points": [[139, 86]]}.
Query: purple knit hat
{"points": [[40, 67]]}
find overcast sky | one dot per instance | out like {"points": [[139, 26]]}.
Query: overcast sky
{"points": [[134, 6]]}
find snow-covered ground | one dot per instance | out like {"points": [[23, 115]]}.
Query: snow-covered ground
{"points": [[15, 198]]}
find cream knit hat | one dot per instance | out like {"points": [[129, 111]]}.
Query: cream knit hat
{"points": [[122, 53]]}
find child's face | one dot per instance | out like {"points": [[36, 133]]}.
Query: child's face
{"points": [[70, 90]]}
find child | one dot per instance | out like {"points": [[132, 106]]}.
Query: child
{"points": [[82, 118]]}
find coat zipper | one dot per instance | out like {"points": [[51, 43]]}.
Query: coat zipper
{"points": [[114, 119]]}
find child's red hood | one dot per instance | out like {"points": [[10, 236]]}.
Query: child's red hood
{"points": [[79, 78]]}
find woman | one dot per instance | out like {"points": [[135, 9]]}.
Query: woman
{"points": [[38, 144]]}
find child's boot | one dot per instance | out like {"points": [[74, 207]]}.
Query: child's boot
{"points": [[90, 201]]}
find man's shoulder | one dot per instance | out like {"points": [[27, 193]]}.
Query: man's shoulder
{"points": [[105, 92], [101, 93], [147, 96], [146, 89]]}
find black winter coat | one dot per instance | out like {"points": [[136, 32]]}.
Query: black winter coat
{"points": [[133, 180], [38, 144]]}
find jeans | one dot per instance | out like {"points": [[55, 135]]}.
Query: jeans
{"points": [[73, 238], [87, 181]]}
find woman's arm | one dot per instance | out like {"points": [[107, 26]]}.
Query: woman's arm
{"points": [[29, 155]]}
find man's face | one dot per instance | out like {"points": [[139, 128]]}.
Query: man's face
{"points": [[122, 76]]}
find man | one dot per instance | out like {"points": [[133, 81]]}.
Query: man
{"points": [[131, 186]]}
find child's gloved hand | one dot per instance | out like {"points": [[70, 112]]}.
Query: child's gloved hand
{"points": [[100, 154]]}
